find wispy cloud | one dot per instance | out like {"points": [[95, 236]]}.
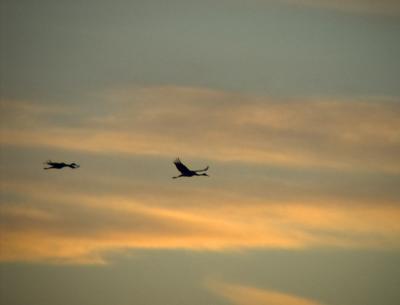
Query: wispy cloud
{"points": [[83, 228], [247, 295], [350, 134], [111, 212]]}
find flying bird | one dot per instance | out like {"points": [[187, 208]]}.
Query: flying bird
{"points": [[60, 165], [185, 172]]}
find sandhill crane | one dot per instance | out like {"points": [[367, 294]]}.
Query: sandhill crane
{"points": [[60, 165], [185, 172]]}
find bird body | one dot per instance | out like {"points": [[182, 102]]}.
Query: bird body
{"points": [[186, 172], [60, 165]]}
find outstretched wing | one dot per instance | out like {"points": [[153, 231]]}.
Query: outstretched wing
{"points": [[202, 170], [181, 167], [51, 163]]}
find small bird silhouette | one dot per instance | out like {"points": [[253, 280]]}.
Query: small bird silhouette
{"points": [[185, 172], [60, 165]]}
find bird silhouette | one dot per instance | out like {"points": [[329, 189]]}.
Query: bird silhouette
{"points": [[60, 165], [186, 172]]}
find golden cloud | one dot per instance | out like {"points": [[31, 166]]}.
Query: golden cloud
{"points": [[83, 228], [45, 223], [247, 295], [201, 123]]}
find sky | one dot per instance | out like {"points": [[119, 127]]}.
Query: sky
{"points": [[294, 105]]}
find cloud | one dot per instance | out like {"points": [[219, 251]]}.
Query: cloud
{"points": [[84, 228], [359, 134], [301, 174], [246, 295]]}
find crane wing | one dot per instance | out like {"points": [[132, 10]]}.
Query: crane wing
{"points": [[202, 170], [51, 163], [181, 167]]}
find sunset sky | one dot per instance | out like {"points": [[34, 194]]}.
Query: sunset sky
{"points": [[294, 105]]}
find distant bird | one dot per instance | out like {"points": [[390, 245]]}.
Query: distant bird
{"points": [[185, 172], [60, 165]]}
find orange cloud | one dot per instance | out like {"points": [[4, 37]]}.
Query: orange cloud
{"points": [[83, 228], [55, 224], [196, 122], [246, 295]]}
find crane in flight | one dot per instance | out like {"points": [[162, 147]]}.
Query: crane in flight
{"points": [[186, 172], [60, 165]]}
